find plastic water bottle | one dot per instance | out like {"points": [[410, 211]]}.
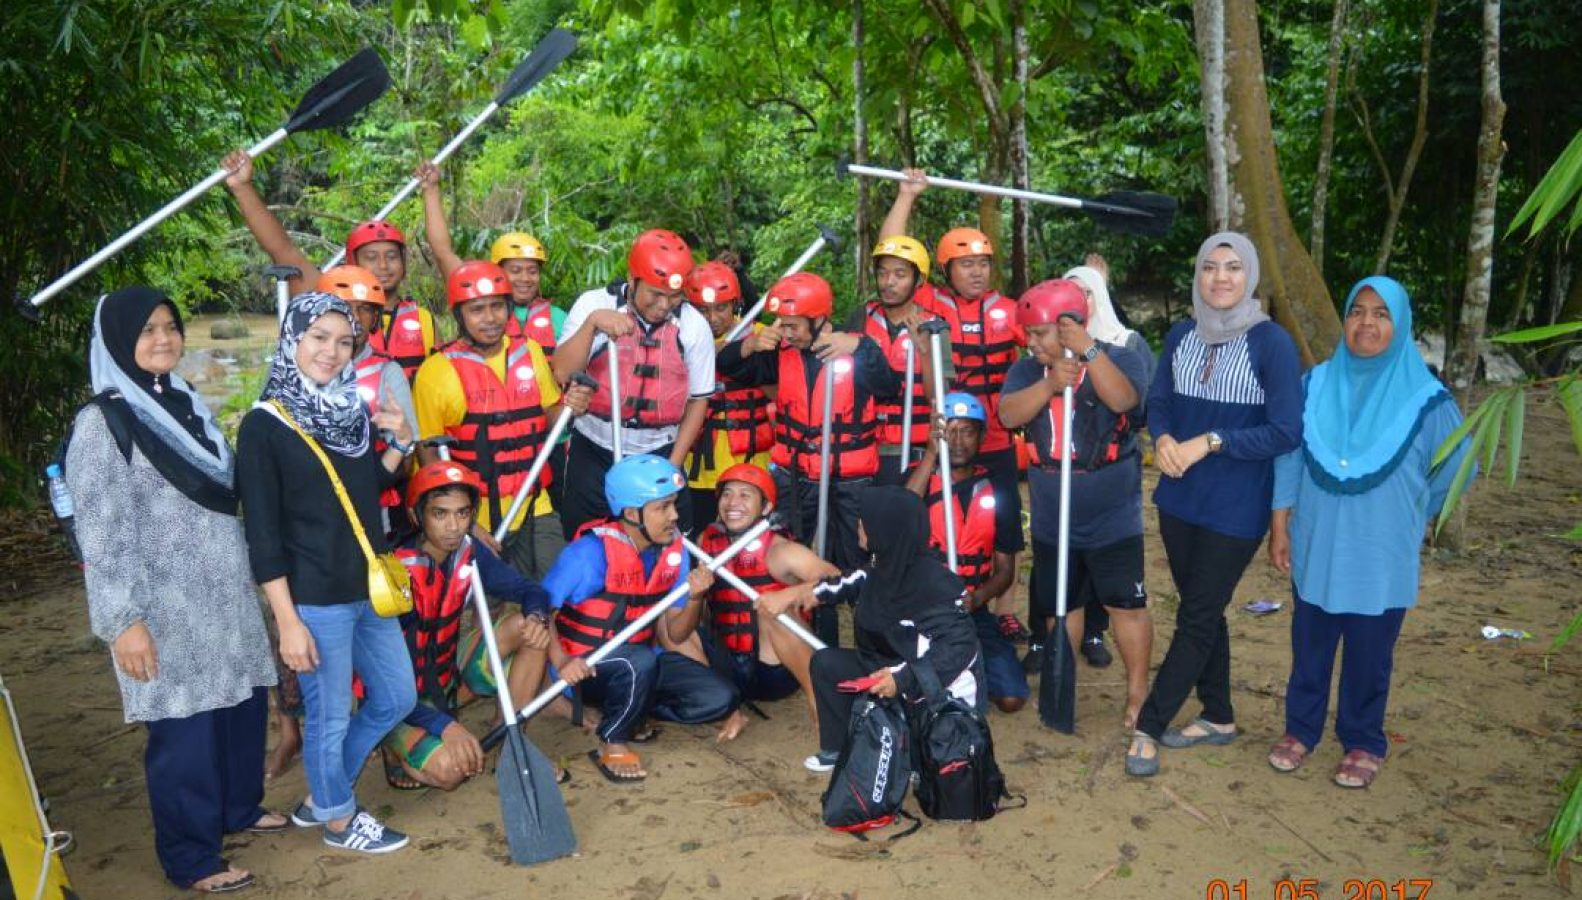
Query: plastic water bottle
{"points": [[65, 511]]}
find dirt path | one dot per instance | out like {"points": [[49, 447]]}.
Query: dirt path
{"points": [[1481, 736]]}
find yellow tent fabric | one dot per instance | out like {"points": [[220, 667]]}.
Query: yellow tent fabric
{"points": [[35, 869]]}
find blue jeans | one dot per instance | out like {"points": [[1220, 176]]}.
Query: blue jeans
{"points": [[350, 637], [1001, 669]]}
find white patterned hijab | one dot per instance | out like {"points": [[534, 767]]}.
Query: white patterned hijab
{"points": [[333, 414]]}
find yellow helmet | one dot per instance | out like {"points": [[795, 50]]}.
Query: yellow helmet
{"points": [[903, 247], [517, 245]]}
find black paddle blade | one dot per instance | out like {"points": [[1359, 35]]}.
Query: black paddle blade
{"points": [[25, 308], [1057, 686], [341, 94], [537, 826], [1133, 212], [556, 46], [842, 166]]}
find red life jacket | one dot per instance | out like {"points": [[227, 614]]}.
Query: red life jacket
{"points": [[370, 384], [653, 375], [433, 627], [627, 593], [974, 530], [504, 427], [742, 413], [735, 622], [984, 342], [401, 339], [1090, 448], [540, 325], [799, 412], [876, 326]]}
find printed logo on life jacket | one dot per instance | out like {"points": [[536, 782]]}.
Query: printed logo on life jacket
{"points": [[526, 374], [886, 750], [411, 324], [674, 559], [971, 327], [366, 392]]}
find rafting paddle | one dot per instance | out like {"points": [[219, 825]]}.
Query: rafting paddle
{"points": [[1057, 689], [1129, 212], [337, 97], [555, 47], [826, 238]]}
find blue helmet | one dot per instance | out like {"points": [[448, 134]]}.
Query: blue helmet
{"points": [[639, 480], [965, 406]]}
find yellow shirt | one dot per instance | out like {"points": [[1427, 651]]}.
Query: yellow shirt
{"points": [[707, 476], [441, 403]]}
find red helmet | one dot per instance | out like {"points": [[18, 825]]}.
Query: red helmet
{"points": [[438, 475], [660, 258], [802, 294], [713, 283], [371, 231], [959, 242], [354, 284], [1044, 303], [757, 476], [473, 279]]}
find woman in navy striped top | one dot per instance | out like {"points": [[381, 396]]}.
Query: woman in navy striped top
{"points": [[1225, 402]]}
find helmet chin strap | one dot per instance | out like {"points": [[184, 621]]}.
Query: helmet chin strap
{"points": [[640, 525]]}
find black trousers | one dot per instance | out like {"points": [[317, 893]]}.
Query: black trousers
{"points": [[582, 485], [830, 667], [1206, 567], [635, 682], [798, 508], [205, 780]]}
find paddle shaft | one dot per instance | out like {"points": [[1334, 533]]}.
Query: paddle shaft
{"points": [[906, 401], [480, 608], [636, 625], [786, 619], [936, 357], [503, 527], [752, 314], [412, 184], [616, 410], [973, 186], [1064, 534], [821, 533], [141, 228]]}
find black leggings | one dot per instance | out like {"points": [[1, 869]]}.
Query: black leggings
{"points": [[1206, 567]]}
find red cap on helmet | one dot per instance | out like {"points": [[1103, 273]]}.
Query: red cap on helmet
{"points": [[757, 476], [438, 475], [1044, 303], [660, 258], [713, 283], [802, 294], [371, 231], [475, 279]]}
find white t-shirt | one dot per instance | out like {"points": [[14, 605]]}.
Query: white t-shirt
{"points": [[697, 349]]}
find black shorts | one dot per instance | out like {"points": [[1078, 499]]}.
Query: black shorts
{"points": [[1112, 574]]}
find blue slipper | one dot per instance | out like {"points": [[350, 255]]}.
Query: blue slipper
{"points": [[1177, 739]]}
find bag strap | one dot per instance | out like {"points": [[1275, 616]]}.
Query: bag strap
{"points": [[335, 480], [898, 816]]}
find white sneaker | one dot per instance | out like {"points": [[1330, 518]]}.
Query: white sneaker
{"points": [[365, 834], [822, 761]]}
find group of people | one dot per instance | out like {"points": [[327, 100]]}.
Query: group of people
{"points": [[375, 439]]}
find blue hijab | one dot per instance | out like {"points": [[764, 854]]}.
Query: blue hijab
{"points": [[1361, 415]]}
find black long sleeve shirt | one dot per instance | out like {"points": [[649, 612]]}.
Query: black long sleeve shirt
{"points": [[874, 377]]}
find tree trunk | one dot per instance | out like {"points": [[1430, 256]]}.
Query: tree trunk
{"points": [[1462, 365], [1209, 21], [1020, 176], [1291, 285], [1419, 138], [860, 242], [1326, 135]]}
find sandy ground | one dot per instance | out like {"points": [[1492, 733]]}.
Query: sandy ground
{"points": [[1481, 734]]}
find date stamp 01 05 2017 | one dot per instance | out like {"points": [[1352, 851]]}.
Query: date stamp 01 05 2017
{"points": [[1311, 889]]}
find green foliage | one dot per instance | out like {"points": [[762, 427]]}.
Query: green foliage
{"points": [[1558, 189]]}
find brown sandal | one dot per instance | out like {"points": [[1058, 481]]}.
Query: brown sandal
{"points": [[1288, 754], [1358, 769]]}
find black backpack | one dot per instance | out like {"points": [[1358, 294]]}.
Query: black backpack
{"points": [[875, 767], [958, 779]]}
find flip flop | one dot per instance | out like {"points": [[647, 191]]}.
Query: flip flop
{"points": [[396, 777], [603, 762], [1177, 738], [223, 887], [256, 828]]}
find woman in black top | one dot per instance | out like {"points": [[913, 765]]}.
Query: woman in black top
{"points": [[311, 566], [909, 612]]}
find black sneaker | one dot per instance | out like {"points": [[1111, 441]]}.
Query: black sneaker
{"points": [[1094, 651], [1033, 662], [822, 761]]}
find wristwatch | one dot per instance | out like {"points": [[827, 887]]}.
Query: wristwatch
{"points": [[396, 445], [1215, 442], [1092, 353]]}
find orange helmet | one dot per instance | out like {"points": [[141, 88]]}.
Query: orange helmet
{"points": [[757, 476], [802, 294], [438, 475], [1044, 303], [959, 242], [713, 283], [660, 258], [354, 284], [371, 231], [473, 279]]}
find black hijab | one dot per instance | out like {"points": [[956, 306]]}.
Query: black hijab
{"points": [[161, 414], [905, 577]]}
